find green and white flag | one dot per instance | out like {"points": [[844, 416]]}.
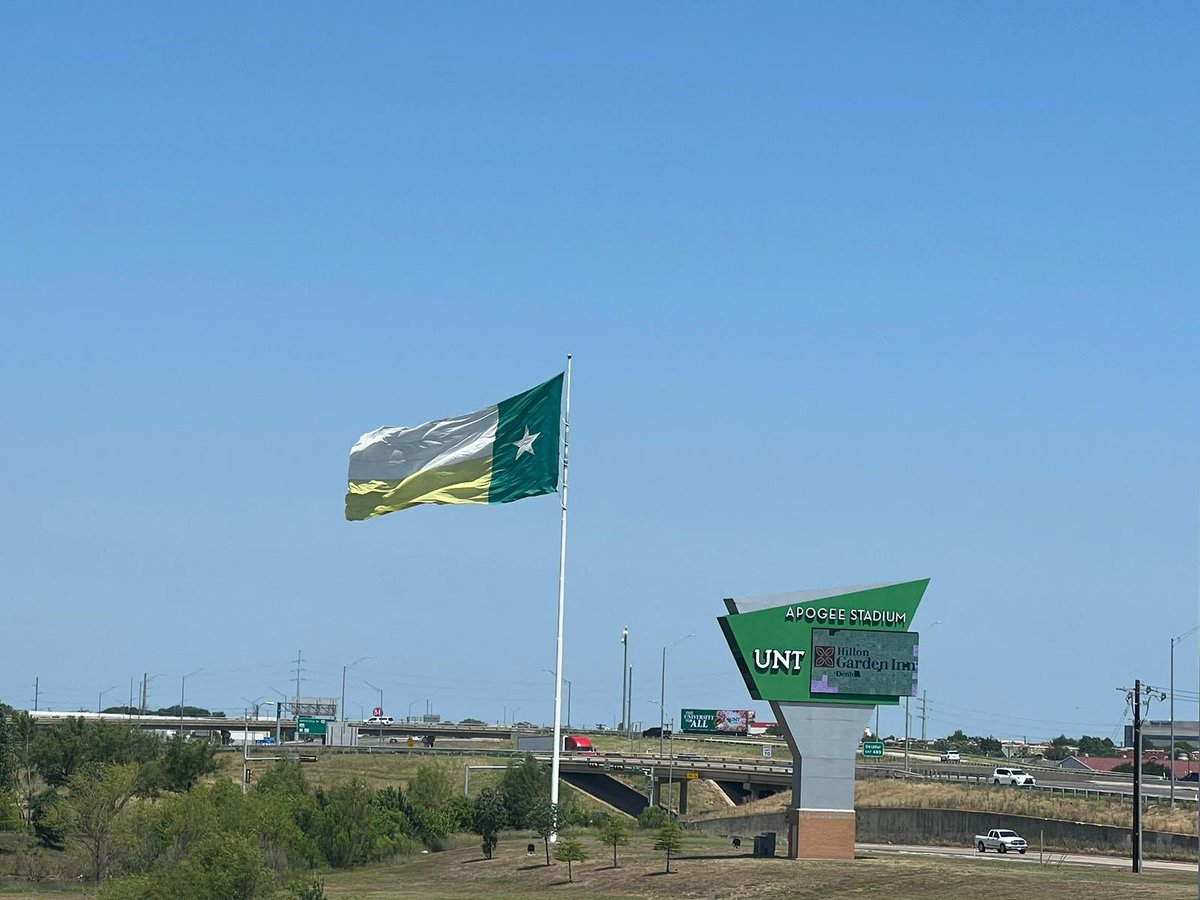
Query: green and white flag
{"points": [[497, 455]]}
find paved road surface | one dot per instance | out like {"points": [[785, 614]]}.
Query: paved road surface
{"points": [[1071, 859]]}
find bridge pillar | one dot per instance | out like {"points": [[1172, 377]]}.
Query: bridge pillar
{"points": [[683, 796], [656, 792]]}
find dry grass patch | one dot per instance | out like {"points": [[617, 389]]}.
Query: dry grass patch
{"points": [[707, 868], [888, 792]]}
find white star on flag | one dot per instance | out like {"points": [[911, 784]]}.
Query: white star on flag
{"points": [[525, 444]]}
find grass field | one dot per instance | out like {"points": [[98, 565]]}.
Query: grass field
{"points": [[708, 868]]}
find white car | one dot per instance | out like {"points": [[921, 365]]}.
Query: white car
{"points": [[951, 756], [1000, 839], [379, 720], [1015, 777]]}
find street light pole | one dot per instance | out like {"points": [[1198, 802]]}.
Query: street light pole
{"points": [[342, 708], [100, 699], [624, 672], [567, 682], [662, 693], [182, 685], [1174, 641]]}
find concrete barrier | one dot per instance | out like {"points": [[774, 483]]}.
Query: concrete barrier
{"points": [[891, 825]]}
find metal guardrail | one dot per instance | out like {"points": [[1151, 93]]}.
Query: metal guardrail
{"points": [[1084, 791]]}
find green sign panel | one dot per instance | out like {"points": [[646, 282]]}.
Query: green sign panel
{"points": [[872, 748], [775, 648], [309, 727]]}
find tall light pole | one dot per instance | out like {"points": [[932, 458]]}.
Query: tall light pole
{"points": [[279, 705], [567, 681], [182, 686], [1171, 755], [342, 708], [624, 674], [662, 693], [408, 717], [100, 699], [368, 684]]}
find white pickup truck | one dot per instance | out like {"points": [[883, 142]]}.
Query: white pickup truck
{"points": [[1000, 839]]}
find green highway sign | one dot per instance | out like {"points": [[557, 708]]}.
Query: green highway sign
{"points": [[309, 727], [872, 748]]}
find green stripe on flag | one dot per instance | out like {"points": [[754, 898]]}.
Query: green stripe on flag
{"points": [[525, 455]]}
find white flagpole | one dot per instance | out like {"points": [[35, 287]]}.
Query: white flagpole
{"points": [[562, 592]]}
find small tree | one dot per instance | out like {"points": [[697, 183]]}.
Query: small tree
{"points": [[89, 811], [185, 761], [670, 838], [544, 820], [525, 787], [615, 833], [489, 819], [431, 788], [569, 849], [652, 817]]}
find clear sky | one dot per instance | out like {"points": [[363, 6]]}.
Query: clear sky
{"points": [[857, 293]]}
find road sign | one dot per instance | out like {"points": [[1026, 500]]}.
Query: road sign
{"points": [[872, 748], [309, 727], [767, 751], [377, 711], [692, 775]]}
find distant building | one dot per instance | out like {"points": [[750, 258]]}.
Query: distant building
{"points": [[1183, 767], [1157, 733]]}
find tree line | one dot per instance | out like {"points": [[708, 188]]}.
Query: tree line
{"points": [[139, 815]]}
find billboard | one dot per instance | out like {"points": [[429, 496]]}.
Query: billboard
{"points": [[874, 663], [716, 721], [774, 647]]}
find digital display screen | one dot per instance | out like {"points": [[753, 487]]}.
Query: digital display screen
{"points": [[866, 663]]}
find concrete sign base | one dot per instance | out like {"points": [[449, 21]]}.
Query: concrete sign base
{"points": [[824, 740]]}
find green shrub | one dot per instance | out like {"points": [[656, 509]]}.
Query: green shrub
{"points": [[653, 817], [311, 888]]}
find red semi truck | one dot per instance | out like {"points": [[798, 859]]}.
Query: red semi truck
{"points": [[574, 743]]}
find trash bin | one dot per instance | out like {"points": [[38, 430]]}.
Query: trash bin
{"points": [[764, 844]]}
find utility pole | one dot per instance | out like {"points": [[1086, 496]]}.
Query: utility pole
{"points": [[1137, 776], [924, 698], [1139, 695], [299, 658], [36, 682], [142, 705]]}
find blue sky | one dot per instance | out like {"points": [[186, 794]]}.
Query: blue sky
{"points": [[856, 294]]}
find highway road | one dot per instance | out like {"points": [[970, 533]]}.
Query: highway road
{"points": [[1070, 859]]}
